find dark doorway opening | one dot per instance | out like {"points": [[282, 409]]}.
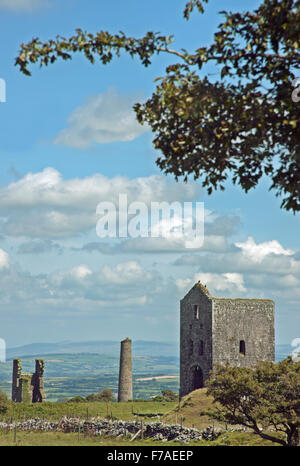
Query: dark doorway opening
{"points": [[197, 378]]}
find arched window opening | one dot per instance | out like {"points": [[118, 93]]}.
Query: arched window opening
{"points": [[197, 380], [242, 347]]}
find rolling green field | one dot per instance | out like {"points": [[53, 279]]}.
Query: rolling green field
{"points": [[187, 412], [55, 411]]}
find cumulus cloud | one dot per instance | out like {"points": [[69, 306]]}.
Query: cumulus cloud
{"points": [[124, 273], [156, 245], [264, 269], [122, 285], [104, 118], [246, 257], [271, 282], [25, 5], [110, 283], [227, 283], [258, 252], [44, 205], [236, 261]]}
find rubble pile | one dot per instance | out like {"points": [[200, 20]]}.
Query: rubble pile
{"points": [[117, 428]]}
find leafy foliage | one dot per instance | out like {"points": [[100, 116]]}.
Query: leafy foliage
{"points": [[104, 395], [169, 395], [244, 124], [4, 403], [77, 399], [166, 395], [267, 396]]}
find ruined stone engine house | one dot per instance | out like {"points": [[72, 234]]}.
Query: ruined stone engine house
{"points": [[219, 330], [28, 387]]}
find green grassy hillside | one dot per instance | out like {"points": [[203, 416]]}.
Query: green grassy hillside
{"points": [[189, 410], [186, 412], [54, 411]]}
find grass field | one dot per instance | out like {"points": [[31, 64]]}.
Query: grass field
{"points": [[73, 439], [186, 412], [55, 411]]}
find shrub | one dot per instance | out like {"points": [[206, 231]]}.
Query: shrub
{"points": [[104, 395], [3, 403], [77, 399]]}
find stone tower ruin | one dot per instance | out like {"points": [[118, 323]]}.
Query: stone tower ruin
{"points": [[217, 330], [28, 387], [125, 373]]}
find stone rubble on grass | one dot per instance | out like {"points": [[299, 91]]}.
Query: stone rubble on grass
{"points": [[117, 428]]}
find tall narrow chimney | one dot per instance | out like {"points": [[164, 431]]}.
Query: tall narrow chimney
{"points": [[125, 374]]}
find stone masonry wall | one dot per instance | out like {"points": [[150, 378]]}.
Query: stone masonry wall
{"points": [[249, 320]]}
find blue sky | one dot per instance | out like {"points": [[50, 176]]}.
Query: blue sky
{"points": [[69, 140]]}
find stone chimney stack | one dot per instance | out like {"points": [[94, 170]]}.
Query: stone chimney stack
{"points": [[125, 374]]}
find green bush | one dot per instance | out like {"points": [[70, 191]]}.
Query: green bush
{"points": [[4, 403], [166, 395], [104, 395], [77, 399], [158, 398], [169, 395]]}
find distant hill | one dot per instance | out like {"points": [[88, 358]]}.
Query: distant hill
{"points": [[139, 348]]}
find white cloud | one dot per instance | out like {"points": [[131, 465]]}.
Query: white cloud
{"points": [[238, 261], [44, 205], [80, 272], [78, 289], [273, 282], [171, 245], [227, 283], [27, 5], [104, 118], [125, 273], [257, 252]]}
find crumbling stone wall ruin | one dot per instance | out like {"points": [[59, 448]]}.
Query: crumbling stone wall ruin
{"points": [[28, 387]]}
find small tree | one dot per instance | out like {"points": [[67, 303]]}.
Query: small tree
{"points": [[3, 402], [169, 395], [77, 399], [105, 395], [265, 397]]}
